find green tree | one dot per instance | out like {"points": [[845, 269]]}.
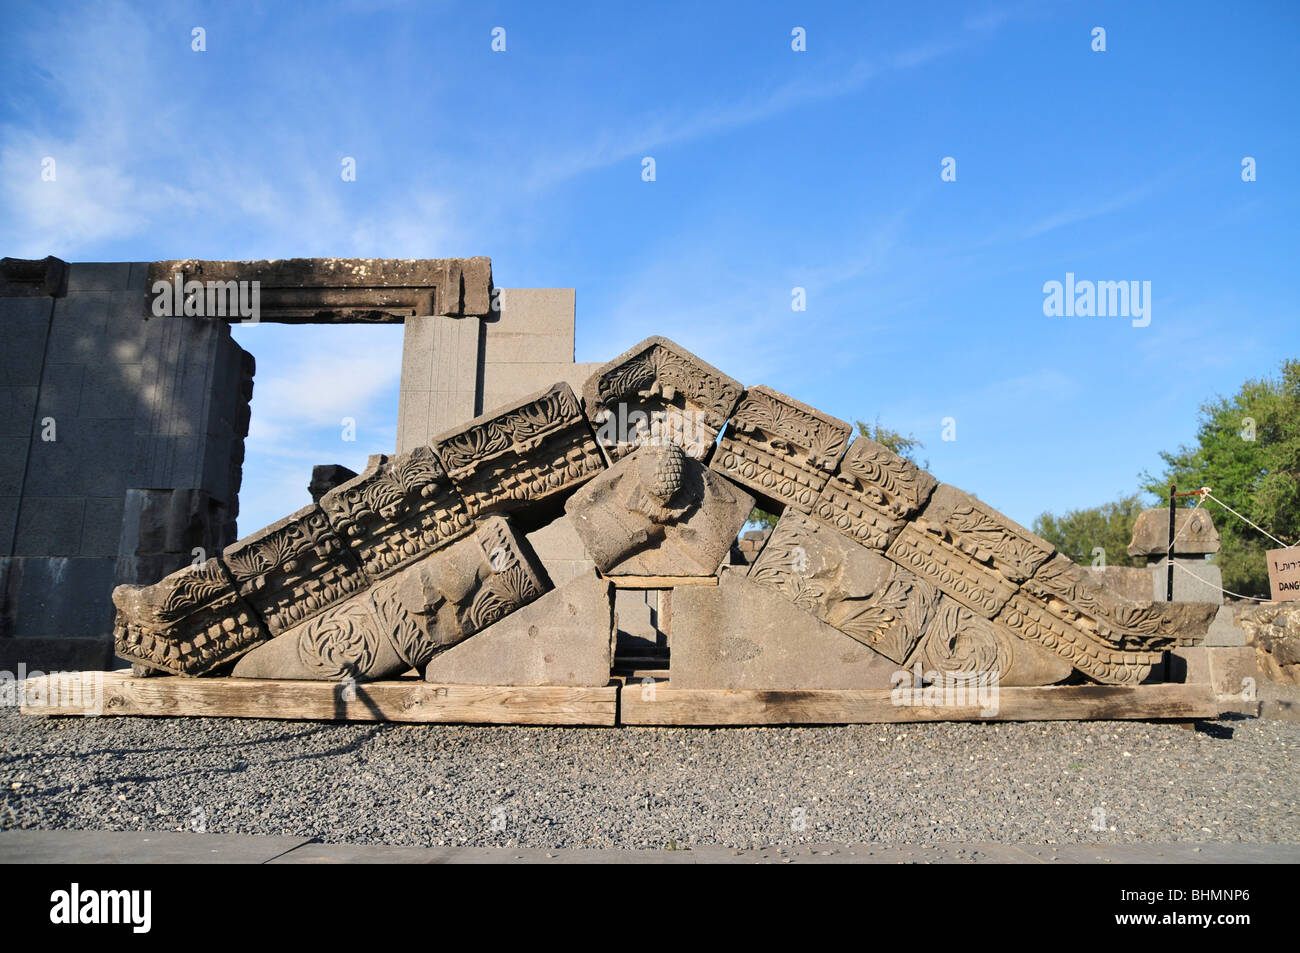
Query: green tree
{"points": [[905, 447], [1109, 526], [1247, 451]]}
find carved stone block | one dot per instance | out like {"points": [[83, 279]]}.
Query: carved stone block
{"points": [[943, 565], [846, 585], [467, 587], [959, 642], [566, 637], [405, 620], [984, 534], [1071, 592], [189, 623], [872, 494], [359, 639], [1194, 533], [1107, 638], [522, 453], [658, 391], [658, 512], [1100, 660], [398, 510], [781, 449], [293, 569], [742, 635]]}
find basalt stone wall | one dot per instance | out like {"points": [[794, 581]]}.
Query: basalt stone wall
{"points": [[121, 443]]}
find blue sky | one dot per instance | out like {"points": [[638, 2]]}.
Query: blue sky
{"points": [[775, 169]]}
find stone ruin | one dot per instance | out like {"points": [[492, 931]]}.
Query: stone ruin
{"points": [[540, 523], [423, 561], [122, 431]]}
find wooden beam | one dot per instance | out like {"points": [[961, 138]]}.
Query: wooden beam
{"points": [[412, 700], [660, 582], [664, 705], [404, 700]]}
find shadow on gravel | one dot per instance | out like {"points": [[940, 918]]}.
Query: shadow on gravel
{"points": [[343, 749], [1214, 729], [237, 767], [90, 785], [314, 728]]}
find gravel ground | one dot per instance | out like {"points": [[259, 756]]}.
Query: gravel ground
{"points": [[431, 785]]}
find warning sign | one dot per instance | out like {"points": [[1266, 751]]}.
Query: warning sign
{"points": [[1284, 573]]}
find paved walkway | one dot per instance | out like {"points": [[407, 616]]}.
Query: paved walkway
{"points": [[127, 847]]}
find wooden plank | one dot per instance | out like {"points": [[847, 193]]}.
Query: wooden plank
{"points": [[412, 700], [404, 700], [664, 705], [660, 582]]}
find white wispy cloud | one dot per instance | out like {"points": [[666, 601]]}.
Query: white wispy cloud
{"points": [[130, 166], [1087, 210], [633, 137]]}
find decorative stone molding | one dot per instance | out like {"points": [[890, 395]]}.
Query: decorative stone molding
{"points": [[872, 494], [950, 570], [293, 569], [398, 510], [522, 453], [781, 449], [659, 391], [984, 534], [189, 623]]}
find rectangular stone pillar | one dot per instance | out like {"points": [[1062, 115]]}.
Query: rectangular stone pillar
{"points": [[1195, 580], [454, 369], [440, 377]]}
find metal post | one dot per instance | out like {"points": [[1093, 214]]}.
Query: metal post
{"points": [[1169, 593]]}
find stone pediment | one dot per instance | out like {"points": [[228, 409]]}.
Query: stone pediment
{"points": [[426, 552]]}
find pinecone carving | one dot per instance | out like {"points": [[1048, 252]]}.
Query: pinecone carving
{"points": [[662, 470]]}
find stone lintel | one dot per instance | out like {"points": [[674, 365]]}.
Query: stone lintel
{"points": [[350, 290]]}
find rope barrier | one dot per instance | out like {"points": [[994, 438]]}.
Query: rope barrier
{"points": [[1202, 494], [1226, 592], [1243, 519]]}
